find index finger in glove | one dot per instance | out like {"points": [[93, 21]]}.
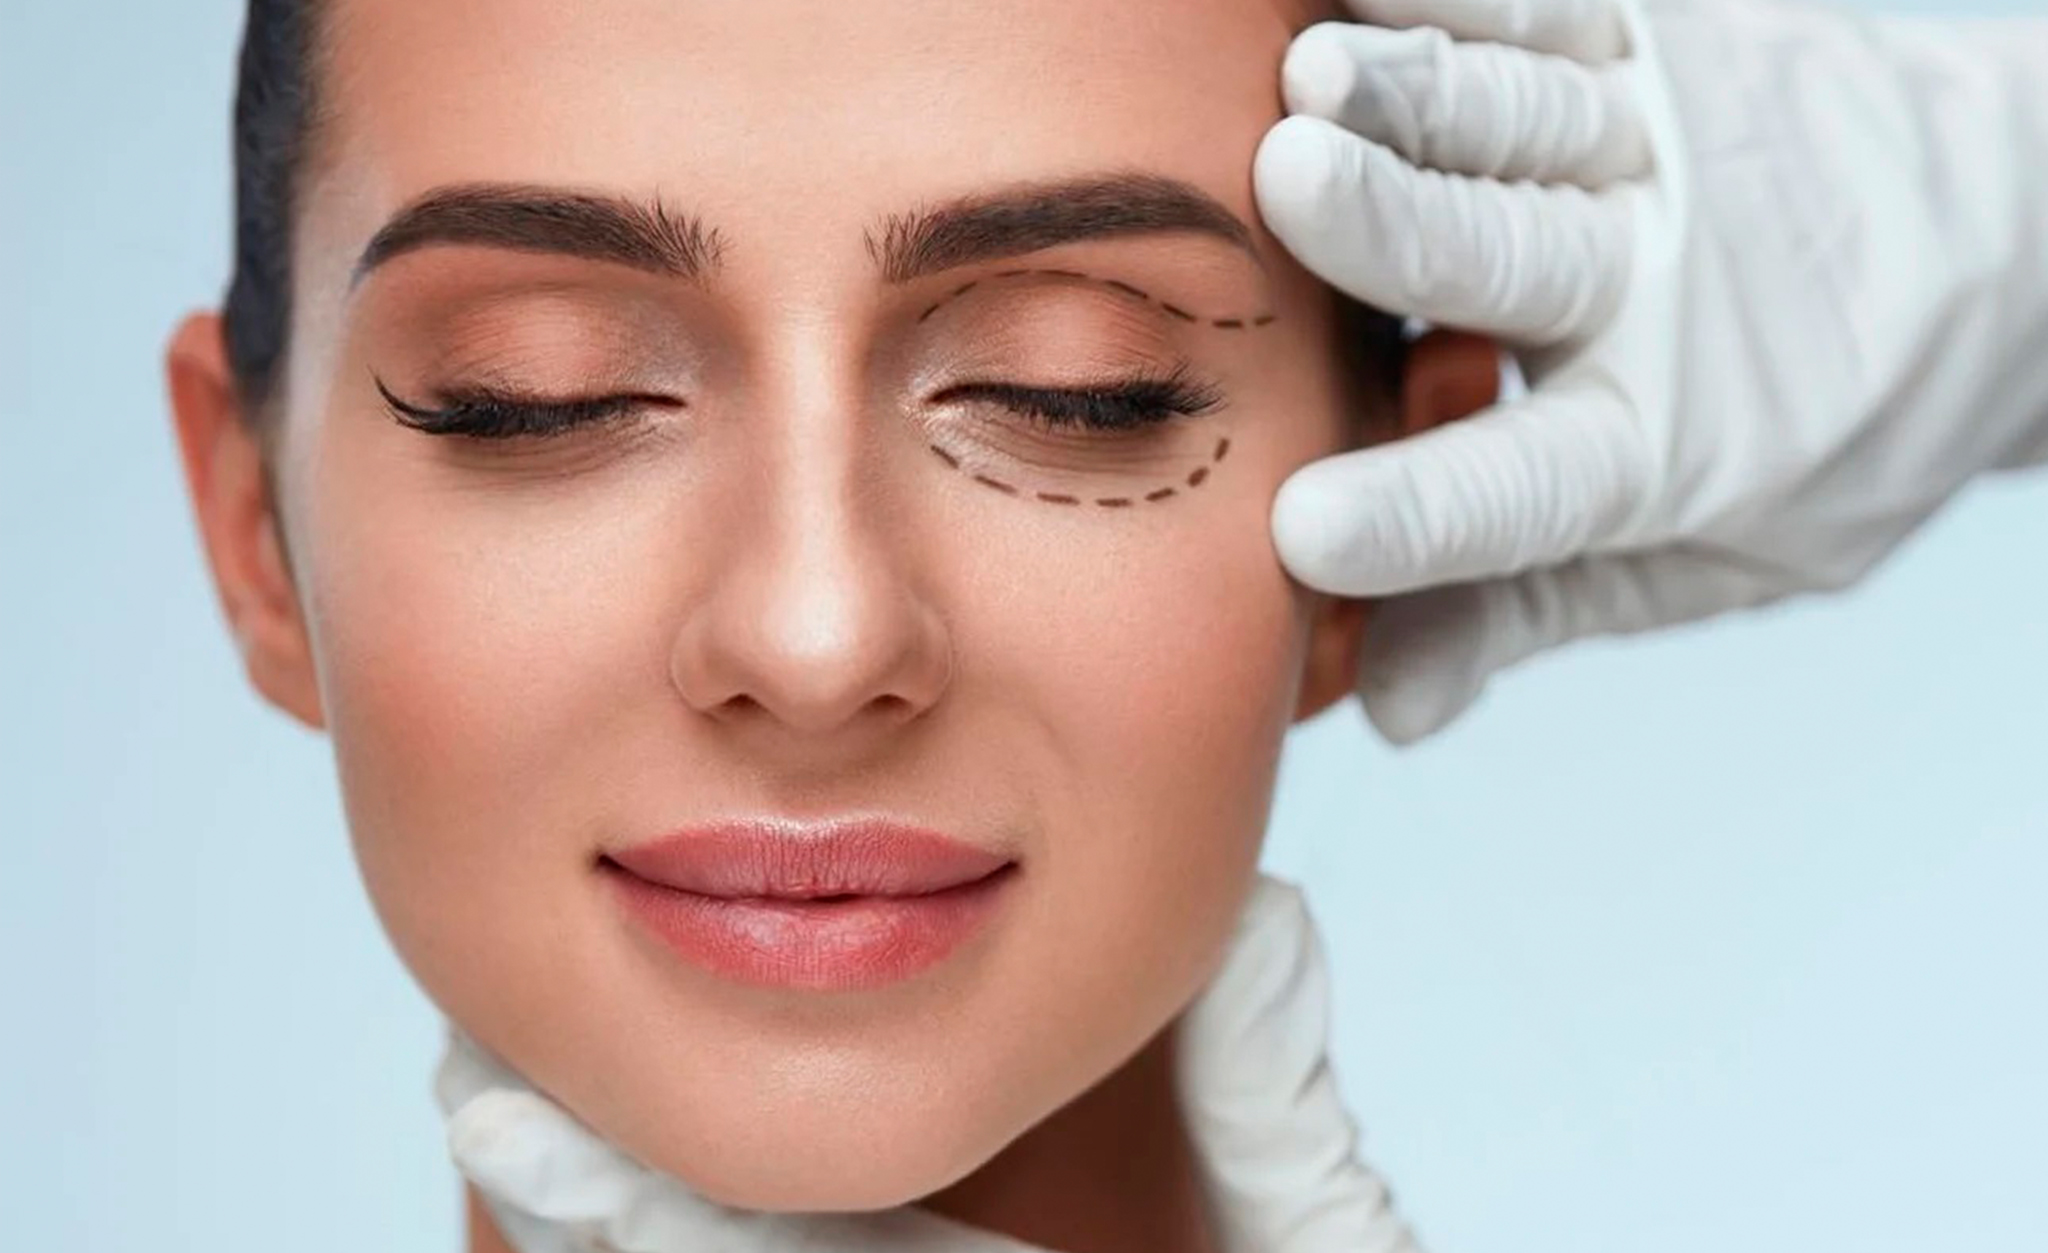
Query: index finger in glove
{"points": [[1528, 484], [1586, 30], [523, 1147], [1483, 109], [1534, 265], [1431, 653]]}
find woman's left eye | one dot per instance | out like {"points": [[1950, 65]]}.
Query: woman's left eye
{"points": [[482, 413], [1128, 405]]}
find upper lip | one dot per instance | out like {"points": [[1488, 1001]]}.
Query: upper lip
{"points": [[805, 860]]}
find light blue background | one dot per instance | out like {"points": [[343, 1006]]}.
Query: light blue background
{"points": [[1727, 940]]}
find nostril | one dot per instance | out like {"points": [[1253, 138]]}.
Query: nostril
{"points": [[891, 703], [741, 705]]}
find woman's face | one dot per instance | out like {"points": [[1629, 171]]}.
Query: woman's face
{"points": [[836, 556]]}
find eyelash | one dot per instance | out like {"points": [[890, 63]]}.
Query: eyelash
{"points": [[482, 413], [1128, 405]]}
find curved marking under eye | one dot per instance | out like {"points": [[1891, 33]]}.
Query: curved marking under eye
{"points": [[1159, 495]]}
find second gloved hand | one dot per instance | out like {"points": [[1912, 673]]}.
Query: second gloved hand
{"points": [[1778, 278]]}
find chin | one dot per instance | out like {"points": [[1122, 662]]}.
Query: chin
{"points": [[805, 1181], [831, 1156]]}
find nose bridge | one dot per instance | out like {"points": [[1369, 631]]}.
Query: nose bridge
{"points": [[815, 619]]}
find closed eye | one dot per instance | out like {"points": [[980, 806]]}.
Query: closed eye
{"points": [[1128, 405], [489, 413]]}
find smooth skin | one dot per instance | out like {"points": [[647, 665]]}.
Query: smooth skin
{"points": [[765, 595]]}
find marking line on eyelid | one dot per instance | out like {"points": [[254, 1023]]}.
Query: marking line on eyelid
{"points": [[1116, 285], [1199, 476]]}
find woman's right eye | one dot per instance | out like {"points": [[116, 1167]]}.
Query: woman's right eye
{"points": [[486, 413]]}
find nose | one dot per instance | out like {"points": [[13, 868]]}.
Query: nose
{"points": [[814, 623]]}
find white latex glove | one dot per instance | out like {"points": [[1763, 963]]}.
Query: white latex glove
{"points": [[1778, 278], [1275, 1140]]}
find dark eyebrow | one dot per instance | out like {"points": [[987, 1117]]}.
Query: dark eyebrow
{"points": [[533, 218], [1032, 216]]}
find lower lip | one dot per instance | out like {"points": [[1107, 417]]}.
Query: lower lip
{"points": [[821, 945]]}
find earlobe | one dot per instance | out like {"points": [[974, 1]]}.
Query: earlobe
{"points": [[223, 462], [1449, 375], [1331, 672]]}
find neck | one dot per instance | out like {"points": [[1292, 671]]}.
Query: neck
{"points": [[1113, 1171]]}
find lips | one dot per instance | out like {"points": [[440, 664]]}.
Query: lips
{"points": [[823, 906]]}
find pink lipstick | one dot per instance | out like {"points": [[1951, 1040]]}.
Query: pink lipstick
{"points": [[820, 906]]}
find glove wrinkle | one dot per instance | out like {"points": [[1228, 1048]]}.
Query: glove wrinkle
{"points": [[1756, 367]]}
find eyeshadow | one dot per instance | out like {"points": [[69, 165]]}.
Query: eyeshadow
{"points": [[1129, 291]]}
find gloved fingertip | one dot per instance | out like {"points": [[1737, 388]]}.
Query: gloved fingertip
{"points": [[490, 1132], [1318, 73], [519, 1147], [1408, 709], [1423, 662], [1298, 170], [1316, 528]]}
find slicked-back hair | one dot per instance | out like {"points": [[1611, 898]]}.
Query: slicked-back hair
{"points": [[274, 121]]}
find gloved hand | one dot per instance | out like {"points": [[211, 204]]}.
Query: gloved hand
{"points": [[1278, 1148], [1778, 278]]}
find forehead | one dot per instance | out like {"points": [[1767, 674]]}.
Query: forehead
{"points": [[776, 112]]}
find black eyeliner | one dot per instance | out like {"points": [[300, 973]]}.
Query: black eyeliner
{"points": [[483, 413]]}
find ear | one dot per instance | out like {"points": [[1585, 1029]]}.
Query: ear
{"points": [[238, 524], [1331, 671], [1448, 375]]}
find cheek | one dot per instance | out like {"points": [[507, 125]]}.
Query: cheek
{"points": [[1166, 656], [1160, 657], [483, 666], [1164, 651]]}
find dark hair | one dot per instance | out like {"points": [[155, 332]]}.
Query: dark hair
{"points": [[276, 116]]}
